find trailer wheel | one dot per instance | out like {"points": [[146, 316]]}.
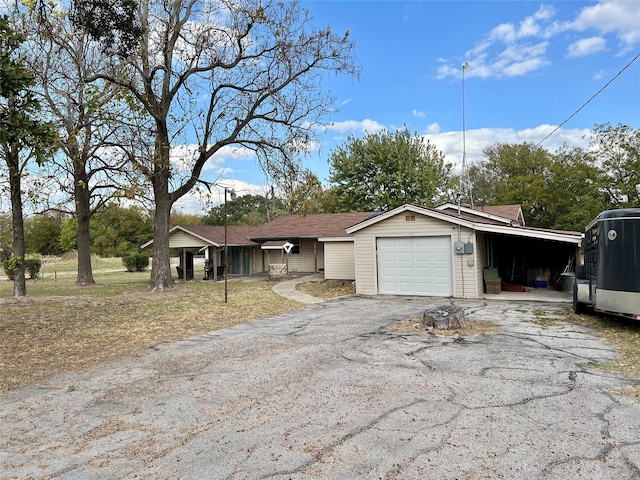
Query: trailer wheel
{"points": [[577, 306]]}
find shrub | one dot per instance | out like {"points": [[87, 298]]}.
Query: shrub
{"points": [[31, 267], [136, 263]]}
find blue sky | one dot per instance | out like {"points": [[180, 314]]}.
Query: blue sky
{"points": [[531, 66]]}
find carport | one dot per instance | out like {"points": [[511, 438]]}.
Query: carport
{"points": [[520, 259]]}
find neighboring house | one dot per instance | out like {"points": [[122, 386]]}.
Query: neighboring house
{"points": [[253, 248], [415, 250]]}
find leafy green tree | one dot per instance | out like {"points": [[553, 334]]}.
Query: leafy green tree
{"points": [[244, 210], [178, 218], [515, 174], [301, 190], [617, 150], [6, 237], [243, 73], [113, 23], [564, 190], [385, 170], [69, 235], [42, 235], [576, 192], [117, 231], [24, 138]]}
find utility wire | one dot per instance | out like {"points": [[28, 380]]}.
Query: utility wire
{"points": [[589, 101]]}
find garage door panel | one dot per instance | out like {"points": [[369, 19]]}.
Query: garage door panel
{"points": [[388, 256], [405, 257], [415, 266], [423, 257]]}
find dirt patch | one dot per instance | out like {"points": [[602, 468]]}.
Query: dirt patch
{"points": [[328, 289], [416, 325]]}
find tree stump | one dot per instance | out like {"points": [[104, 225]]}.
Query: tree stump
{"points": [[445, 317]]}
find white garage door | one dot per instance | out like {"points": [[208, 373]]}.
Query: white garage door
{"points": [[415, 266]]}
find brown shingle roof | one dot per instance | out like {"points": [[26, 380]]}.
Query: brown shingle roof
{"points": [[309, 226], [285, 227], [512, 212]]}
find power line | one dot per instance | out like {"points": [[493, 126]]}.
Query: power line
{"points": [[589, 101]]}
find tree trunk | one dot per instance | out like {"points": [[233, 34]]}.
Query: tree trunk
{"points": [[161, 264], [19, 283], [83, 215]]}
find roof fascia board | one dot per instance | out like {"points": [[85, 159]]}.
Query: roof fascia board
{"points": [[478, 213], [336, 239], [409, 208], [524, 232]]}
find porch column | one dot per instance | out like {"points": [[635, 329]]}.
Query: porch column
{"points": [[212, 252], [184, 264], [315, 255]]}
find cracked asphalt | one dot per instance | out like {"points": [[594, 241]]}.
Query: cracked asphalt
{"points": [[329, 392]]}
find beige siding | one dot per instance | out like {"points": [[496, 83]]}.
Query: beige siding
{"points": [[339, 263], [305, 262], [180, 239], [464, 266]]}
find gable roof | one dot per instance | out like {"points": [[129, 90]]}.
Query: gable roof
{"points": [[475, 222], [497, 213]]}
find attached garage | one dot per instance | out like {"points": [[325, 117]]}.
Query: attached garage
{"points": [[414, 266], [414, 250]]}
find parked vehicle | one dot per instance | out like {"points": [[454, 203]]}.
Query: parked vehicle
{"points": [[609, 280]]}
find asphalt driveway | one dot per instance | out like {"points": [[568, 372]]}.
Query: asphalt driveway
{"points": [[329, 392]]}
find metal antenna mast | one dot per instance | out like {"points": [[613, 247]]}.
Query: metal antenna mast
{"points": [[465, 182]]}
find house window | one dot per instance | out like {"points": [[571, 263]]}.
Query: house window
{"points": [[409, 218], [295, 250]]}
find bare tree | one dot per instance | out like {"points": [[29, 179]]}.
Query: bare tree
{"points": [[91, 119], [211, 74]]}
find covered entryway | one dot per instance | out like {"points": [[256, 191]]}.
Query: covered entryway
{"points": [[415, 266]]}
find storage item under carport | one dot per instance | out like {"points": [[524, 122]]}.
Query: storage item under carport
{"points": [[492, 282], [567, 280]]}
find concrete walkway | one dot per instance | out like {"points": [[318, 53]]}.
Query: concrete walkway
{"points": [[288, 290]]}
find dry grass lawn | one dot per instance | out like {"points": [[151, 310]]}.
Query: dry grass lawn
{"points": [[61, 327]]}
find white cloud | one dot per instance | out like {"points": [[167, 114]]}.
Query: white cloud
{"points": [[353, 126], [586, 46], [226, 153], [450, 143], [418, 113], [200, 200], [621, 18], [433, 128], [510, 49]]}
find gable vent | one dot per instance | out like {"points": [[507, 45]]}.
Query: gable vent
{"points": [[409, 218]]}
